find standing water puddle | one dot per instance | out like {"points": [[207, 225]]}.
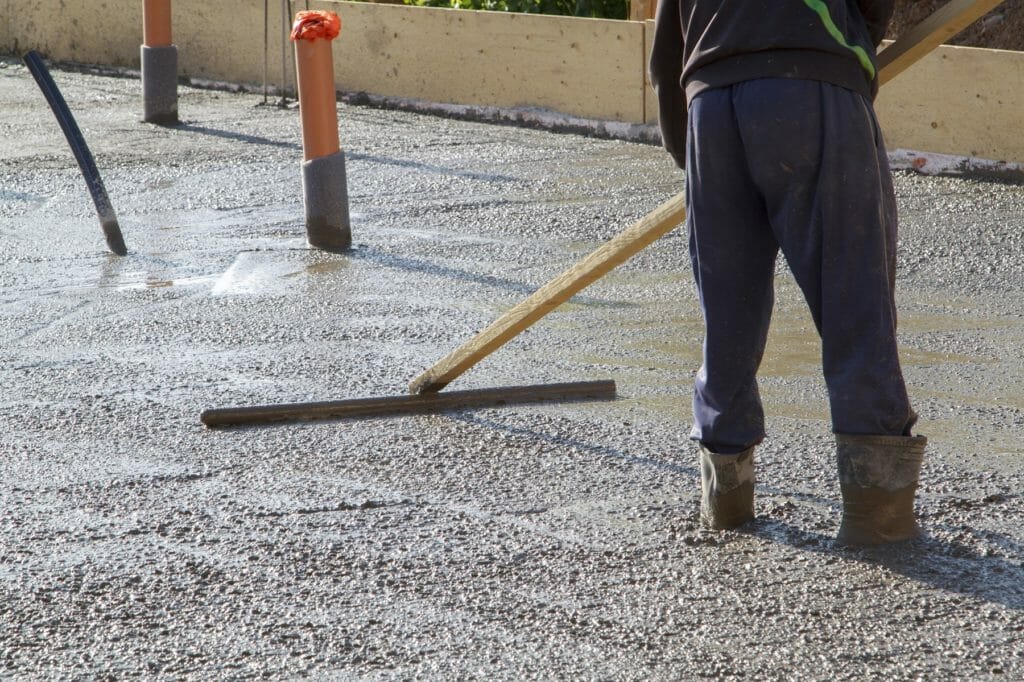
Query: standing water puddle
{"points": [[656, 349], [260, 273]]}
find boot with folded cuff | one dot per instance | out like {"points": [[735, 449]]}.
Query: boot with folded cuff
{"points": [[727, 488], [878, 477]]}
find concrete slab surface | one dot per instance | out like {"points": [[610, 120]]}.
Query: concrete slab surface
{"points": [[555, 541]]}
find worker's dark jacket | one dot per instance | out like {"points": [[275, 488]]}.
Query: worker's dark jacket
{"points": [[702, 44]]}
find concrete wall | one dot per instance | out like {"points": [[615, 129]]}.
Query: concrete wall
{"points": [[585, 67], [85, 31], [956, 101], [216, 40]]}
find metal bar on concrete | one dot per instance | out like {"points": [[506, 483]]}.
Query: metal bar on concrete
{"points": [[410, 404]]}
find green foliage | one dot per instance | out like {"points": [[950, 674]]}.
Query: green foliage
{"points": [[604, 9]]}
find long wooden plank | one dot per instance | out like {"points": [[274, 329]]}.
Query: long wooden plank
{"points": [[553, 294], [409, 404], [942, 25], [648, 229]]}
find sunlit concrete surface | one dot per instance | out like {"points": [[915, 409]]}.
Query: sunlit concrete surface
{"points": [[554, 541]]}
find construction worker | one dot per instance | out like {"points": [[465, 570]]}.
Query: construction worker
{"points": [[767, 104]]}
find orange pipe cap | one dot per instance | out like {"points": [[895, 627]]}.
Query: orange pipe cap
{"points": [[313, 24]]}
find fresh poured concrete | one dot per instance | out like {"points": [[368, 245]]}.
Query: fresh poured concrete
{"points": [[542, 542]]}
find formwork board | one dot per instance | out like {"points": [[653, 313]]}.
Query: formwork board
{"points": [[591, 68], [650, 98], [105, 33], [6, 34], [225, 41], [958, 100]]}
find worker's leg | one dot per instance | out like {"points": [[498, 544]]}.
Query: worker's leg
{"points": [[817, 154], [732, 251]]}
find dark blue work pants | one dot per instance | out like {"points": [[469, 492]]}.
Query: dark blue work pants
{"points": [[798, 165]]}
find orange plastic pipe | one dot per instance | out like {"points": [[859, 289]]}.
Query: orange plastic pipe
{"points": [[313, 32], [156, 23]]}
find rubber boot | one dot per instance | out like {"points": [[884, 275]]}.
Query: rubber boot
{"points": [[727, 488], [878, 478]]}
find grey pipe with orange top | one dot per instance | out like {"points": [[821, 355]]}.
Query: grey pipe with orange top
{"points": [[159, 64]]}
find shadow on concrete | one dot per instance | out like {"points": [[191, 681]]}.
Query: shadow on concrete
{"points": [[941, 564], [238, 137], [349, 155], [390, 260], [583, 446], [430, 168]]}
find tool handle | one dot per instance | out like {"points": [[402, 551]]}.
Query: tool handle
{"points": [[559, 290]]}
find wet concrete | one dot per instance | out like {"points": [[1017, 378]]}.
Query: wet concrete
{"points": [[539, 542]]}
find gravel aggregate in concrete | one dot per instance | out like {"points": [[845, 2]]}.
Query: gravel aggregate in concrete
{"points": [[555, 541]]}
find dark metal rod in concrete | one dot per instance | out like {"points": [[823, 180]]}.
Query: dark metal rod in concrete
{"points": [[410, 404], [108, 220]]}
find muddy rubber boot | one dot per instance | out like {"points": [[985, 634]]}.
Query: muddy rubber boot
{"points": [[727, 488], [878, 478]]}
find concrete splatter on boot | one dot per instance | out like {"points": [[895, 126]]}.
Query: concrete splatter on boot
{"points": [[727, 488], [878, 477]]}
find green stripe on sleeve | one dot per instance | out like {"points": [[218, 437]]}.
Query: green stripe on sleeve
{"points": [[821, 9]]}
